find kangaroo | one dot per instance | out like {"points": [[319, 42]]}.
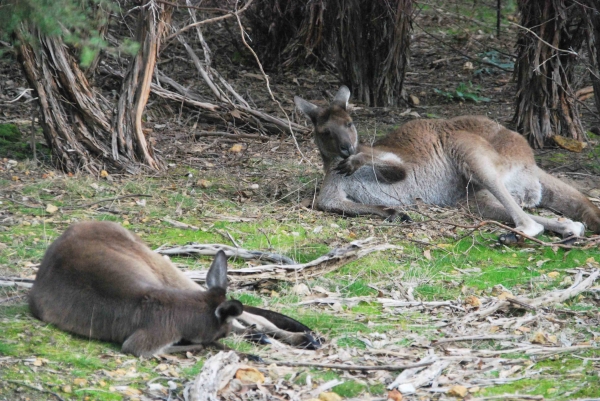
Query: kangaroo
{"points": [[101, 281], [468, 159]]}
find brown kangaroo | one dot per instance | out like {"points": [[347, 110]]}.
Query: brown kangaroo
{"points": [[101, 281], [468, 159]]}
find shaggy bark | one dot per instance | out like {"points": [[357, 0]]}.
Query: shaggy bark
{"points": [[77, 121], [551, 36], [367, 41]]}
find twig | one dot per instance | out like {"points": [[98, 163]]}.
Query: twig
{"points": [[179, 224], [509, 397], [210, 20], [40, 389], [473, 338], [269, 87], [106, 200], [351, 367], [12, 298], [228, 135]]}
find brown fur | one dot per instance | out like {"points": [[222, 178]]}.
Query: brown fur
{"points": [[101, 281], [468, 159]]}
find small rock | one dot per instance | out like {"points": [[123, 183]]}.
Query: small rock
{"points": [[413, 100], [407, 388], [473, 301]]}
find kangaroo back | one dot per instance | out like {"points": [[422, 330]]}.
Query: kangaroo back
{"points": [[101, 281]]}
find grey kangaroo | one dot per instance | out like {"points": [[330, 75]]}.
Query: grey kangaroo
{"points": [[101, 281], [468, 159]]}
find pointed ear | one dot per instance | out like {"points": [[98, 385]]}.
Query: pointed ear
{"points": [[310, 110], [342, 96], [228, 310], [217, 274]]}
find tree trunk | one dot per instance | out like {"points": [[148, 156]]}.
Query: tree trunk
{"points": [[78, 122], [372, 40], [593, 18], [369, 41], [547, 46], [130, 138]]}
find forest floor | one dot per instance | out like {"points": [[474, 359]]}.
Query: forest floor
{"points": [[440, 277]]}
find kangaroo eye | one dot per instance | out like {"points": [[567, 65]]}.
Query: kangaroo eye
{"points": [[349, 124]]}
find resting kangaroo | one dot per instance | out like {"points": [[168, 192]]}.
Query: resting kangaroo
{"points": [[101, 281], [441, 162]]}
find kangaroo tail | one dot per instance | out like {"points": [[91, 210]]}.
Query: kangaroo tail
{"points": [[560, 196]]}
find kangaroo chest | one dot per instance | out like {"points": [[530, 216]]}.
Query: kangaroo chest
{"points": [[437, 182]]}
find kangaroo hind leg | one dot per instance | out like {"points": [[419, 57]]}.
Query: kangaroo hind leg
{"points": [[480, 163]]}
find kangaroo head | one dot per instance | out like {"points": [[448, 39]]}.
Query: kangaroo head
{"points": [[335, 134], [216, 281]]}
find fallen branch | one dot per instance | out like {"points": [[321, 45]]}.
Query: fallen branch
{"points": [[218, 370], [473, 338], [322, 265], [230, 251], [351, 367], [178, 224], [105, 200]]}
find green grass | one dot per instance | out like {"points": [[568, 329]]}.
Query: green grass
{"points": [[438, 268]]}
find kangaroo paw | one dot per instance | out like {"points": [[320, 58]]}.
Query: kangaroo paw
{"points": [[312, 342], [348, 166], [258, 338], [510, 239]]}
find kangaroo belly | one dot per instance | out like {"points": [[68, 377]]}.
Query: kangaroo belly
{"points": [[436, 184]]}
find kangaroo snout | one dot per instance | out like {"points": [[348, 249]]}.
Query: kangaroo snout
{"points": [[347, 150]]}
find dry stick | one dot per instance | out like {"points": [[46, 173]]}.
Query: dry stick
{"points": [[206, 9], [107, 200], [269, 88], [40, 389], [350, 367], [228, 135], [210, 20], [509, 397], [473, 338]]}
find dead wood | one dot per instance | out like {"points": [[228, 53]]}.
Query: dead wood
{"points": [[230, 251], [216, 373], [419, 377], [105, 200], [365, 368], [473, 338], [292, 272]]}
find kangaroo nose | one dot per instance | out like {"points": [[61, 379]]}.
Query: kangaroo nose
{"points": [[346, 150]]}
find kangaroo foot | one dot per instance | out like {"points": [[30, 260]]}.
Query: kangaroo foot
{"points": [[510, 239], [312, 342], [575, 228]]}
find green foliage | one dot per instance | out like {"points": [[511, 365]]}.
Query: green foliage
{"points": [[464, 92], [12, 144], [77, 22]]}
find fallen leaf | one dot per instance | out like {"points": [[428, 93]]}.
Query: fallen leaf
{"points": [[473, 301], [104, 174], [67, 389], [539, 338], [427, 254], [394, 395], [301, 289], [505, 295], [50, 208], [570, 144], [237, 148], [250, 375], [80, 382], [458, 391], [329, 396], [553, 274], [204, 183]]}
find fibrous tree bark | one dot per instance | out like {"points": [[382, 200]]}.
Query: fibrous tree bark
{"points": [[82, 128], [552, 34], [367, 41]]}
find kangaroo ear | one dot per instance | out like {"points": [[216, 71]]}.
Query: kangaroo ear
{"points": [[342, 96], [228, 310], [217, 274], [310, 110]]}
